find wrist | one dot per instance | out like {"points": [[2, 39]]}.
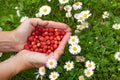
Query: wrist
{"points": [[12, 66], [7, 41]]}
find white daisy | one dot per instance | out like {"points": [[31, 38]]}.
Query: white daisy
{"points": [[77, 5], [77, 31], [73, 40], [68, 8], [80, 27], [49, 0], [90, 65], [88, 72], [86, 14], [38, 14], [45, 10], [69, 65], [16, 7], [0, 28], [81, 77], [53, 75], [63, 1], [68, 14], [80, 18], [1, 54], [42, 71], [51, 63], [80, 59], [85, 24], [23, 18], [117, 56], [74, 49], [76, 15], [18, 13], [105, 15], [116, 26]]}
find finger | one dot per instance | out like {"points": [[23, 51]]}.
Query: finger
{"points": [[57, 25], [37, 22], [59, 51]]}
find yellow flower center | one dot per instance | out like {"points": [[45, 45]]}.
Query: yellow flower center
{"points": [[88, 72], [44, 10], [117, 26], [80, 18], [78, 59], [43, 70], [89, 65], [74, 48], [73, 39], [67, 8], [85, 15], [68, 65], [119, 55], [106, 14], [54, 76], [77, 3], [84, 24], [63, 0], [80, 27], [51, 63]]}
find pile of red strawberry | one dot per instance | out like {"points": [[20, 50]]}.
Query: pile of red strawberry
{"points": [[44, 40]]}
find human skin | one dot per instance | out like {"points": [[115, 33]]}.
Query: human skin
{"points": [[14, 41]]}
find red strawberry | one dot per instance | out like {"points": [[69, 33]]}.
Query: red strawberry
{"points": [[26, 46], [30, 38], [51, 30]]}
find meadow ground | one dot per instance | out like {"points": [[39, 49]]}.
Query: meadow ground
{"points": [[99, 41]]}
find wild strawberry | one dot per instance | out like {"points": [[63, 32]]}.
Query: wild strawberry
{"points": [[51, 37], [49, 51], [38, 44], [56, 29], [45, 33], [33, 43], [33, 34], [42, 39], [62, 33], [45, 47], [48, 42], [26, 46], [44, 50], [47, 37], [52, 48], [30, 38], [58, 38], [51, 30], [37, 32], [55, 46], [57, 33], [56, 42], [36, 49], [50, 34]]}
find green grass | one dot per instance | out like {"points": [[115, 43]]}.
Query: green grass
{"points": [[107, 68]]}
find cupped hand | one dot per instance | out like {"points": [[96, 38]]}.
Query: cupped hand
{"points": [[35, 59], [25, 29]]}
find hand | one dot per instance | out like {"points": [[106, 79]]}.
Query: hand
{"points": [[24, 30]]}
